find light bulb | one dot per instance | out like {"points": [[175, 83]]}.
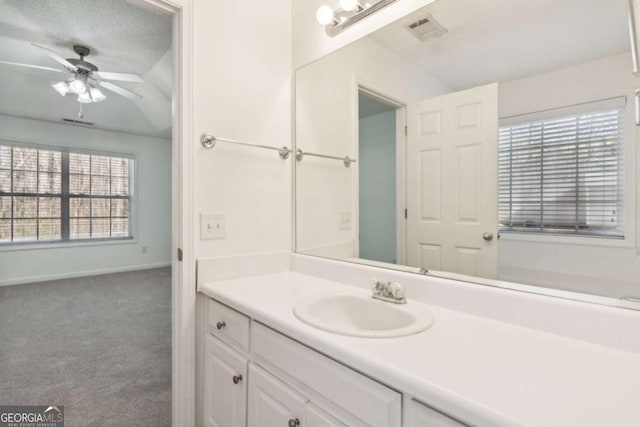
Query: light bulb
{"points": [[96, 95], [62, 88], [84, 98], [348, 5], [77, 86], [324, 15]]}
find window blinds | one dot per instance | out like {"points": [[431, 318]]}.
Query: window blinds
{"points": [[56, 195], [563, 173], [30, 194]]}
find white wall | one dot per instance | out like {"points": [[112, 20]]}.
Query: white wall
{"points": [[243, 77], [554, 261], [153, 187], [310, 40], [327, 123]]}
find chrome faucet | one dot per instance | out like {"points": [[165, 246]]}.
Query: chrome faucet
{"points": [[388, 291]]}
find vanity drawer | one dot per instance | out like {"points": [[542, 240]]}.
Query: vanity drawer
{"points": [[228, 325], [367, 400], [421, 415]]}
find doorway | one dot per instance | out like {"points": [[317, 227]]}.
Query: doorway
{"points": [[381, 184], [176, 234]]}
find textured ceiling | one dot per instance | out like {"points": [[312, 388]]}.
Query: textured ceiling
{"points": [[122, 38], [502, 40]]}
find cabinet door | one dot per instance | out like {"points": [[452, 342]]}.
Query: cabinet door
{"points": [[316, 417], [272, 403], [423, 416], [225, 386]]}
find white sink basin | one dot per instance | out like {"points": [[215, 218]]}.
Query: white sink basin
{"points": [[362, 317]]}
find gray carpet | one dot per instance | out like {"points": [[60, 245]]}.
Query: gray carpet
{"points": [[100, 346]]}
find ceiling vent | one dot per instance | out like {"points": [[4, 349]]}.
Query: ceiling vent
{"points": [[78, 122], [425, 27]]}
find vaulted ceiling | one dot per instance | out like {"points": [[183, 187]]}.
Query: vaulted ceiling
{"points": [[122, 38]]}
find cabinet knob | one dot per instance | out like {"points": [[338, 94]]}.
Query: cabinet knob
{"points": [[294, 422], [237, 379], [220, 325]]}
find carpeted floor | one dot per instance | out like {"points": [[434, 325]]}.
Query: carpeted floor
{"points": [[100, 346]]}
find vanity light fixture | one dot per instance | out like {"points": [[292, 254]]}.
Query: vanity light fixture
{"points": [[349, 12], [350, 5], [325, 15]]}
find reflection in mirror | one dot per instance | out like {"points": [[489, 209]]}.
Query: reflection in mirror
{"points": [[495, 142], [377, 192]]}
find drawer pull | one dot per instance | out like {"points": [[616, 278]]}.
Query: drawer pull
{"points": [[237, 379], [220, 325], [294, 422]]}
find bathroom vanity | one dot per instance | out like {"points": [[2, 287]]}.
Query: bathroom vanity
{"points": [[283, 382], [265, 367], [259, 376]]}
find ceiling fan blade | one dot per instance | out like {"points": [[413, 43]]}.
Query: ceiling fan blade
{"points": [[38, 67], [68, 65], [120, 90], [123, 77]]}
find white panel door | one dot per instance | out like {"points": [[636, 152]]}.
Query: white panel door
{"points": [[272, 403], [225, 385], [452, 181], [316, 417]]}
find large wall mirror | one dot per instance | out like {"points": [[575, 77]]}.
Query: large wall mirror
{"points": [[489, 141]]}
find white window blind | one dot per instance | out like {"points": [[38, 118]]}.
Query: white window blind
{"points": [[99, 196], [563, 173], [30, 194], [57, 195]]}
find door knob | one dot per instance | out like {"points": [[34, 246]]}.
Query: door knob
{"points": [[220, 325], [487, 236], [237, 379], [294, 422]]}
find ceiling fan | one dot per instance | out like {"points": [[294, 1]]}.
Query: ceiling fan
{"points": [[85, 77]]}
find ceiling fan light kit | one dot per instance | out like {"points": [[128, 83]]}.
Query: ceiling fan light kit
{"points": [[96, 94], [61, 87], [77, 85], [87, 93]]}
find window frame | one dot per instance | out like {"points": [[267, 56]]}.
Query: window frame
{"points": [[65, 197], [629, 186]]}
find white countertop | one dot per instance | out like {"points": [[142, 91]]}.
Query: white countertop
{"points": [[482, 371]]}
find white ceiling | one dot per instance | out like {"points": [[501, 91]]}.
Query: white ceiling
{"points": [[503, 40], [122, 38]]}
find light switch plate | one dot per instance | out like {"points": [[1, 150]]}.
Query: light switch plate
{"points": [[212, 226], [345, 221]]}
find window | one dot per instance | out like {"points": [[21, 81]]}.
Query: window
{"points": [[49, 194], [563, 173]]}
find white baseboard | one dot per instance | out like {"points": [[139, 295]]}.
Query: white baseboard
{"points": [[70, 275]]}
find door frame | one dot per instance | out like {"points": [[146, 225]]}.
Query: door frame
{"points": [[385, 95], [183, 292]]}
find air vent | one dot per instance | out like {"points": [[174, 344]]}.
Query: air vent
{"points": [[425, 27], [78, 122]]}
